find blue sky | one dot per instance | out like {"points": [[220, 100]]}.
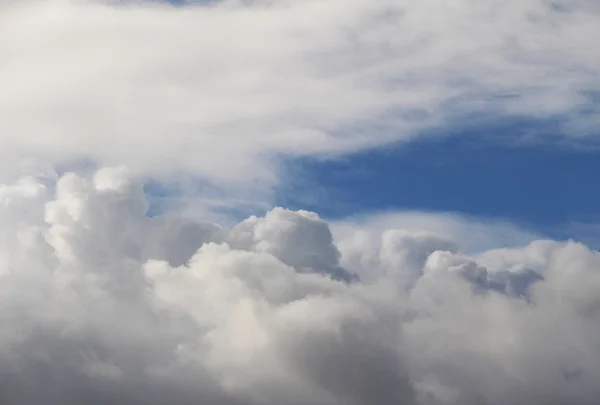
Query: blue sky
{"points": [[484, 170], [520, 170]]}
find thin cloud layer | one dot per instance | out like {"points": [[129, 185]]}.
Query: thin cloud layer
{"points": [[217, 89], [100, 304]]}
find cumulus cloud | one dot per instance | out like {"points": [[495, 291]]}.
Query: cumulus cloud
{"points": [[218, 88], [100, 303]]}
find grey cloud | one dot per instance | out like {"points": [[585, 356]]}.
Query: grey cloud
{"points": [[101, 304]]}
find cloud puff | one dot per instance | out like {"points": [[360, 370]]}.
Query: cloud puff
{"points": [[218, 88], [472, 234], [100, 304]]}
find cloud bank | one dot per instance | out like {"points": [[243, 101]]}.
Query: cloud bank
{"points": [[101, 304], [218, 89]]}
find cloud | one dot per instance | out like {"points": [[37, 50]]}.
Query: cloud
{"points": [[220, 89], [299, 239], [100, 303], [472, 233]]}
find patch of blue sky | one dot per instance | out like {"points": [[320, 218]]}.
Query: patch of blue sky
{"points": [[519, 169]]}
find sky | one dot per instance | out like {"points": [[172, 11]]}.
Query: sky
{"points": [[546, 185], [299, 202]]}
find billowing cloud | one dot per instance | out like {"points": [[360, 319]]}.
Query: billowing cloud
{"points": [[218, 88], [101, 304]]}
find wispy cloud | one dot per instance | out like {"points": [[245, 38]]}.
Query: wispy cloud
{"points": [[219, 89]]}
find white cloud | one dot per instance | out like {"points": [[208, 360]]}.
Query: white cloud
{"points": [[102, 304], [474, 234], [219, 90]]}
